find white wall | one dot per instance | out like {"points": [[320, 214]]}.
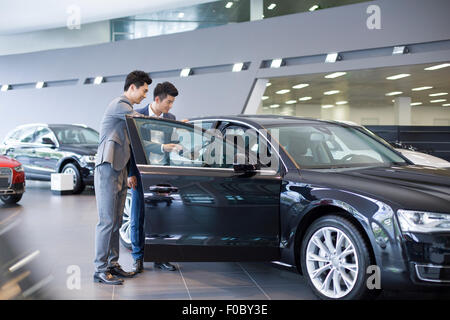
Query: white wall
{"points": [[88, 34]]}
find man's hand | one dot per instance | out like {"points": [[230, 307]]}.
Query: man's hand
{"points": [[172, 147], [132, 182], [185, 120]]}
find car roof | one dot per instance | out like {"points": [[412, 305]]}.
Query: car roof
{"points": [[270, 120]]}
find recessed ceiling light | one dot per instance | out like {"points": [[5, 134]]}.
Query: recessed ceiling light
{"points": [[304, 98], [272, 5], [185, 72], [300, 86], [291, 102], [264, 98], [276, 63], [314, 7], [273, 106], [416, 103], [400, 50], [341, 102], [398, 76], [437, 67], [393, 93], [98, 80], [335, 75], [422, 88], [229, 5], [5, 87], [438, 100], [329, 93], [332, 57], [40, 84], [446, 105], [238, 67], [268, 84], [181, 15], [283, 91], [438, 94], [327, 106]]}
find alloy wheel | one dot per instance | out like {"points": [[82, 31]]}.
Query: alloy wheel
{"points": [[125, 229], [332, 262]]}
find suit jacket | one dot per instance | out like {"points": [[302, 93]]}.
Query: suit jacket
{"points": [[150, 146], [114, 144]]}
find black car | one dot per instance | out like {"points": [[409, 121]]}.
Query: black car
{"points": [[44, 149], [351, 213]]}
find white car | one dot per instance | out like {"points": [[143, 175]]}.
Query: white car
{"points": [[424, 159]]}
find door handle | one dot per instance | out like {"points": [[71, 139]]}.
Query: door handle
{"points": [[163, 189]]}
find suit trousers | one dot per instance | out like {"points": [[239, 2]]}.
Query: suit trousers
{"points": [[110, 192], [137, 221]]}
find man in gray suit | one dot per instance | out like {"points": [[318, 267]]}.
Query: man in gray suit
{"points": [[110, 178]]}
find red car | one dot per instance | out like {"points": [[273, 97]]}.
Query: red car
{"points": [[12, 180]]}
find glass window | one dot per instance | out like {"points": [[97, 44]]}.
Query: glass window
{"points": [[324, 146], [26, 134], [76, 135], [41, 133], [198, 148]]}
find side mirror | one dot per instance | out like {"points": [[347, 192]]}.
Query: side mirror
{"points": [[47, 141]]}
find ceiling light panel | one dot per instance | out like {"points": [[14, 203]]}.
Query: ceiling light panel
{"points": [[398, 76], [437, 67], [272, 6], [300, 86], [185, 72], [291, 102], [237, 67], [327, 106], [273, 106], [438, 94], [341, 102], [335, 75], [332, 57], [395, 93], [438, 100], [40, 84], [422, 88], [329, 93], [98, 80], [283, 91], [5, 87], [276, 63], [304, 98], [229, 5], [416, 103], [264, 98]]}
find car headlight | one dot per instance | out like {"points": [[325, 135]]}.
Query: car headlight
{"points": [[423, 222], [88, 159], [18, 169]]}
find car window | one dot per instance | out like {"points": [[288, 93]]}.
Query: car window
{"points": [[27, 135], [13, 136], [318, 146], [76, 135], [200, 148], [249, 140], [41, 133]]}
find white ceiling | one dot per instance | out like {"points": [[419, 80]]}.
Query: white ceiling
{"points": [[18, 16]]}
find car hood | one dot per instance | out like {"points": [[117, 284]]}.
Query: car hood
{"points": [[81, 149], [6, 162], [424, 159], [408, 187]]}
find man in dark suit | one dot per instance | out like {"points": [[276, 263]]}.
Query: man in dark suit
{"points": [[163, 98]]}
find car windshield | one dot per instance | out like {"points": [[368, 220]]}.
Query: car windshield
{"points": [[76, 135], [329, 146]]}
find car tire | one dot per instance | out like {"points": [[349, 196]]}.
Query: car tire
{"points": [[336, 271], [125, 228], [78, 183], [11, 199]]}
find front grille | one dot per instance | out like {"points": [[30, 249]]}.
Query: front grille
{"points": [[432, 273], [5, 178]]}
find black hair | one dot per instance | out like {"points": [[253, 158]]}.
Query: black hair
{"points": [[138, 78], [162, 90]]}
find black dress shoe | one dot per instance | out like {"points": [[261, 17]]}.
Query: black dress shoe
{"points": [[138, 266], [118, 271], [165, 266], [107, 278]]}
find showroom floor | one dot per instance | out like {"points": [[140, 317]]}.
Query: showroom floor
{"points": [[62, 229]]}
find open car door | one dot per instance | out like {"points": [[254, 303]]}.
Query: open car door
{"points": [[198, 207]]}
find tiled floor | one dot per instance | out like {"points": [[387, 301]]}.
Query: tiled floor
{"points": [[62, 229]]}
